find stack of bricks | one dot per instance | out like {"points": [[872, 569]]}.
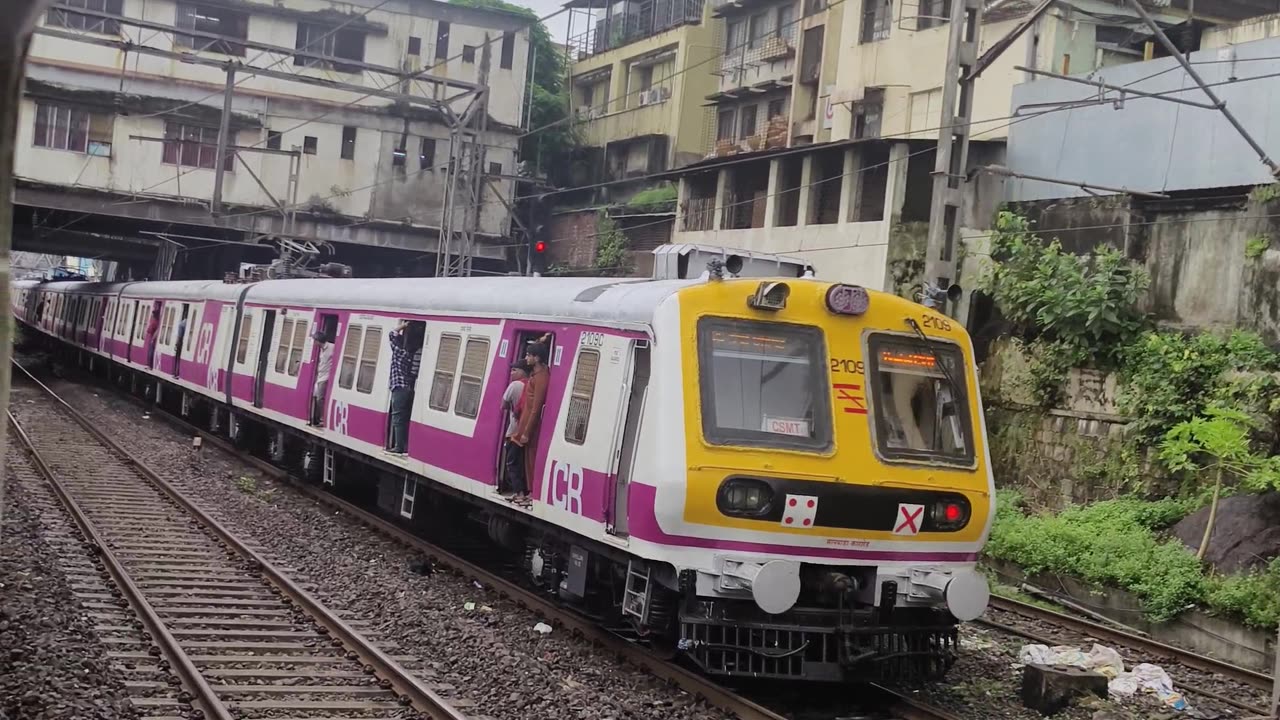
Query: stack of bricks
{"points": [[775, 133]]}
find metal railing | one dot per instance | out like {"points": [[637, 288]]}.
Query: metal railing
{"points": [[637, 20]]}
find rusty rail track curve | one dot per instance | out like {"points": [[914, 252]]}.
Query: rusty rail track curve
{"points": [[192, 584], [899, 705]]}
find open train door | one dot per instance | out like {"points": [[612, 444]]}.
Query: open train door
{"points": [[630, 411], [260, 375]]}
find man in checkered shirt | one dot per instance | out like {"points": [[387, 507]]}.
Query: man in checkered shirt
{"points": [[403, 375]]}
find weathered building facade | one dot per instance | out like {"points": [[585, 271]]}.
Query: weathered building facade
{"points": [[341, 123]]}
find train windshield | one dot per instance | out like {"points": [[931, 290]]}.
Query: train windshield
{"points": [[918, 394], [763, 384]]}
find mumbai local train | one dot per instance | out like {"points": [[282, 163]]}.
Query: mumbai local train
{"points": [[775, 478]]}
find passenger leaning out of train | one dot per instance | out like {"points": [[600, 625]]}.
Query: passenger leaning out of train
{"points": [[402, 379], [535, 393], [513, 455], [324, 371]]}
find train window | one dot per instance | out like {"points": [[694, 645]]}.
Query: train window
{"points": [[446, 366], [350, 356], [242, 342], [764, 384], [919, 400], [140, 327], [471, 379], [166, 325], [580, 394], [285, 343], [295, 351], [369, 359]]}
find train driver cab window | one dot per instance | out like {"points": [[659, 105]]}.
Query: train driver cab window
{"points": [[918, 396], [764, 384]]}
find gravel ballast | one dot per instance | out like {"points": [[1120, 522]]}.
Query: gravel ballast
{"points": [[52, 666]]}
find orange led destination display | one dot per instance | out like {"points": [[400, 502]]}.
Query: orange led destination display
{"points": [[919, 361]]}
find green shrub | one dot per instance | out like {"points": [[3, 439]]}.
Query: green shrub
{"points": [[1254, 597], [1169, 378], [1111, 543]]}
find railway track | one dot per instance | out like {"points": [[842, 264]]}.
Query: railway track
{"points": [[198, 619], [897, 705], [1150, 649]]}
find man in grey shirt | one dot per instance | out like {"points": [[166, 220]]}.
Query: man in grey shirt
{"points": [[513, 480]]}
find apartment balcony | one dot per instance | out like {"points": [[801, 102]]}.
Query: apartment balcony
{"points": [[772, 136], [769, 59], [647, 112], [626, 22]]}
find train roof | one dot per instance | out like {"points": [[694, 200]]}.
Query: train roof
{"points": [[624, 301]]}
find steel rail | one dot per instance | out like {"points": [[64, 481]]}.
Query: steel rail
{"points": [[419, 696], [1189, 687], [1191, 659], [203, 696], [903, 707]]}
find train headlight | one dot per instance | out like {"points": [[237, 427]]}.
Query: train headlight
{"points": [[950, 514], [744, 497], [847, 300]]}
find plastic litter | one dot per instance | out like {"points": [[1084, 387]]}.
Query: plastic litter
{"points": [[1144, 678], [468, 605], [542, 628]]}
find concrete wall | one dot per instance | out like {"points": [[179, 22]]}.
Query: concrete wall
{"points": [[74, 73], [1195, 252]]}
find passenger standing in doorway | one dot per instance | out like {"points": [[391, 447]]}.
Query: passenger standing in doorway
{"points": [[324, 370], [512, 454], [152, 326], [401, 387], [177, 346], [535, 394]]}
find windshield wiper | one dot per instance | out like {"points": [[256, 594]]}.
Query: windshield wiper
{"points": [[946, 373]]}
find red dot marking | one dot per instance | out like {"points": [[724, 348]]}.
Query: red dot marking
{"points": [[810, 503], [792, 502], [788, 521], [807, 521]]}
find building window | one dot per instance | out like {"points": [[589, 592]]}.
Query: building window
{"points": [[323, 40], [471, 379], [415, 46], [468, 53], [877, 16], [580, 394], [310, 144], [812, 7], [933, 13], [736, 38], [442, 40], [193, 146], [747, 125], [348, 143], [776, 108], [398, 156], [786, 18], [508, 50], [446, 367], [866, 119], [495, 168], [61, 16], [273, 139], [211, 19], [724, 125], [66, 128], [426, 154]]}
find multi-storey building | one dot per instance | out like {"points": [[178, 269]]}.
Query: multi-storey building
{"points": [[342, 122], [822, 133]]}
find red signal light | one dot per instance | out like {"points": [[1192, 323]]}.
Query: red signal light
{"points": [[952, 513], [539, 246]]}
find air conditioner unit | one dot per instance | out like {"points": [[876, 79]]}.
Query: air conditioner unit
{"points": [[645, 98]]}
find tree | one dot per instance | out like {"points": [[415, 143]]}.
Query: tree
{"points": [[546, 150], [1219, 441]]}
